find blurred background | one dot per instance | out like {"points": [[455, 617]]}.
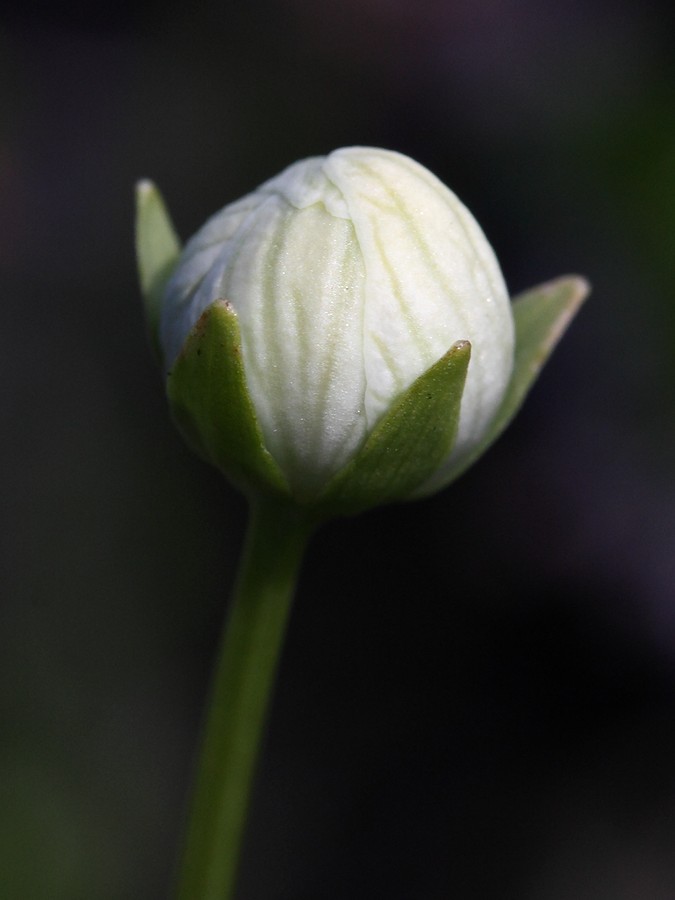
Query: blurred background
{"points": [[477, 696]]}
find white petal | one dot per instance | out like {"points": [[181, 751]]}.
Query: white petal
{"points": [[195, 284], [432, 279], [302, 338]]}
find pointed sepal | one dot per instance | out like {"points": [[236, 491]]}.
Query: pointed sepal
{"points": [[541, 317], [157, 252], [408, 444], [211, 405]]}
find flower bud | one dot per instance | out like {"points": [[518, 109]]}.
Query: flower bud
{"points": [[347, 323]]}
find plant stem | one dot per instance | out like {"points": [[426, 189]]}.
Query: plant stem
{"points": [[244, 676]]}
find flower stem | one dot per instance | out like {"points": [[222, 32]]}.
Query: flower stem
{"points": [[243, 680]]}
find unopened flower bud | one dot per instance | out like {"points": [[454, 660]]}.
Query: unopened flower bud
{"points": [[342, 335]]}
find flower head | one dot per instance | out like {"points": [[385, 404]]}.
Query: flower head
{"points": [[348, 286]]}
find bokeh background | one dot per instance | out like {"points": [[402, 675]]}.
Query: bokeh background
{"points": [[477, 696]]}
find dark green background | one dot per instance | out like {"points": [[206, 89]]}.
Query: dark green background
{"points": [[477, 698]]}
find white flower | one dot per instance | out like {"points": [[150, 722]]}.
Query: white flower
{"points": [[351, 275]]}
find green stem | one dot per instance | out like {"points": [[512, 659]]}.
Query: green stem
{"points": [[242, 684]]}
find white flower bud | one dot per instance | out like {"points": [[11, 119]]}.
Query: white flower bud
{"points": [[351, 275]]}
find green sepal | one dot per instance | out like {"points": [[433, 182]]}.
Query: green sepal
{"points": [[211, 405], [541, 317], [157, 252], [409, 443]]}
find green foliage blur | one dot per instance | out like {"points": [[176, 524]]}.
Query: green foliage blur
{"points": [[477, 697]]}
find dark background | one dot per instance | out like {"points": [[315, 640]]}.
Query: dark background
{"points": [[477, 696]]}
